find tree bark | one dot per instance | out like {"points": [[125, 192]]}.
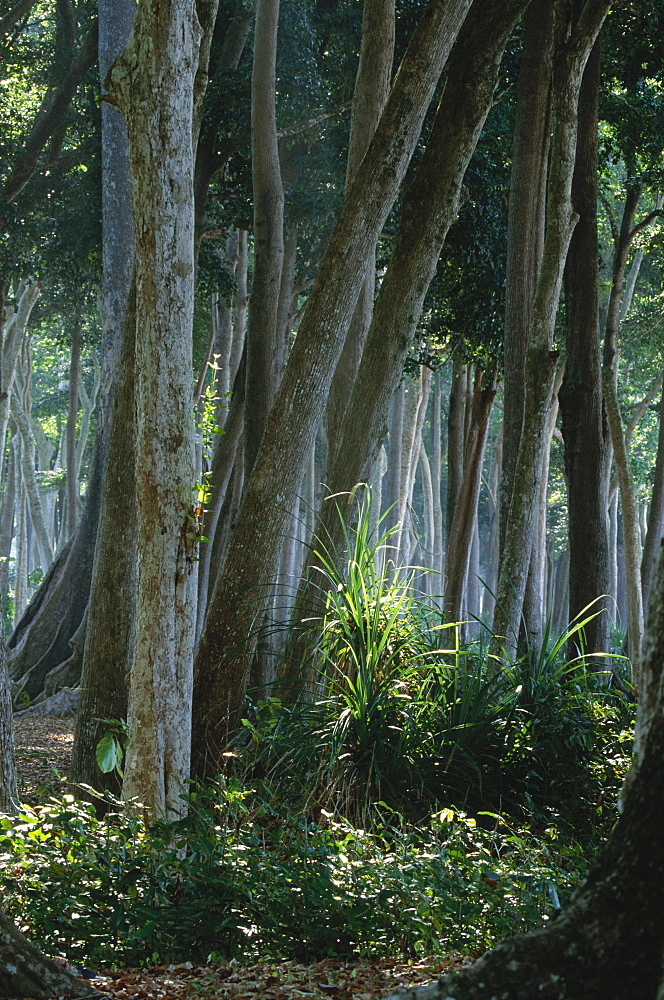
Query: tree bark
{"points": [[8, 786], [26, 972]]}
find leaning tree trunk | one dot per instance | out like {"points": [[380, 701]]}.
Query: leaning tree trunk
{"points": [[541, 359], [371, 90], [238, 603], [153, 83], [430, 207]]}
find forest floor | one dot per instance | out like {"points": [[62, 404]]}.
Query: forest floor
{"points": [[43, 754]]}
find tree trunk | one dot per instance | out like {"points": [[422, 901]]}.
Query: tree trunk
{"points": [[225, 651], [525, 236], [430, 206], [72, 415], [268, 196], [456, 441], [8, 786], [371, 89], [583, 423], [541, 360], [437, 458], [153, 84], [655, 515], [25, 972], [11, 343], [465, 514], [105, 666]]}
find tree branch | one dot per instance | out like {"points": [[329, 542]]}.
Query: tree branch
{"points": [[50, 115], [15, 14]]}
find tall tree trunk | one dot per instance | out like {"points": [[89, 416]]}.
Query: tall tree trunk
{"points": [[437, 458], [13, 333], [631, 537], [656, 514], [430, 207], [153, 84], [456, 440], [583, 424], [8, 786], [541, 360], [291, 428], [268, 194], [525, 236], [465, 514], [72, 415], [371, 90], [20, 405]]}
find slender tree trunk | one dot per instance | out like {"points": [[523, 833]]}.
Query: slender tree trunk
{"points": [[525, 238], [20, 413], [456, 441], [268, 195], [461, 535], [371, 90], [436, 481], [291, 429], [7, 521], [72, 415], [11, 343], [656, 514], [8, 786]]}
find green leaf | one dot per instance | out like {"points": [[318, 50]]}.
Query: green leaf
{"points": [[108, 753]]}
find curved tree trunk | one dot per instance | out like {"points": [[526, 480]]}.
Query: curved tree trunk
{"points": [[227, 643], [430, 207], [8, 787]]}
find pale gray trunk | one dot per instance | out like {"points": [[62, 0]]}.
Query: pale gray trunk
{"points": [[153, 83], [613, 556], [21, 564], [655, 530], [493, 547], [19, 405], [456, 442], [7, 520], [429, 518], [13, 332], [436, 477]]}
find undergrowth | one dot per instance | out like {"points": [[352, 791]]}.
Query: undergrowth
{"points": [[237, 877]]}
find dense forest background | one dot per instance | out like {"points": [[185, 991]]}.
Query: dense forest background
{"points": [[332, 410]]}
